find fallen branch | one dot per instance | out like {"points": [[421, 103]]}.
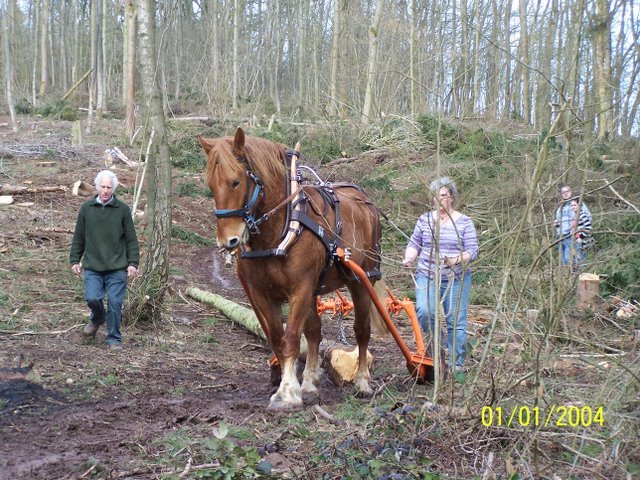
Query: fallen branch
{"points": [[19, 190], [51, 332], [75, 85], [631, 205], [202, 119], [208, 387], [327, 416], [114, 153], [51, 230]]}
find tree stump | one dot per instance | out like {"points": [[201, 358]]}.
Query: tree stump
{"points": [[341, 364], [76, 133], [588, 290]]}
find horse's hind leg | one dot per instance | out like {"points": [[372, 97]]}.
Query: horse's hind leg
{"points": [[362, 330], [312, 371]]}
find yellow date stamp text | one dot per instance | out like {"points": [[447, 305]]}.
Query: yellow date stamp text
{"points": [[561, 416]]}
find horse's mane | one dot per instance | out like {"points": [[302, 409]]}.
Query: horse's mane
{"points": [[265, 159]]}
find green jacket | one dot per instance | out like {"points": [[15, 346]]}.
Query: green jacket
{"points": [[105, 238]]}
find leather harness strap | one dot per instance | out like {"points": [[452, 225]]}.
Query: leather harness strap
{"points": [[330, 237]]}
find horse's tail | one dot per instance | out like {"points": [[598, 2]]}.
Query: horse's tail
{"points": [[378, 325]]}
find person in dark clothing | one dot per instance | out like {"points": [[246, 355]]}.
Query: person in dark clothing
{"points": [[581, 230], [105, 242]]}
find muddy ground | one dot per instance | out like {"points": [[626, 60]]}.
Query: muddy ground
{"points": [[83, 411]]}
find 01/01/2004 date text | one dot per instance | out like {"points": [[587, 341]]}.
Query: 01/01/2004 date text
{"points": [[554, 416]]}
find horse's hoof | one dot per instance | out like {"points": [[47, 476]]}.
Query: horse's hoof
{"points": [[363, 390], [278, 406], [286, 401], [363, 394]]}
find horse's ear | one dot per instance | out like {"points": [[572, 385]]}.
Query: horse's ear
{"points": [[238, 142], [206, 143]]}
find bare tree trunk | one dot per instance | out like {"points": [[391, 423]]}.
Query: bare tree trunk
{"points": [[603, 68], [463, 74], [102, 65], [44, 59], [64, 40], [412, 55], [147, 306], [476, 59], [336, 46], [34, 69], [373, 58], [508, 87], [274, 63], [8, 62], [524, 45], [543, 90], [93, 79], [130, 68], [76, 43], [236, 66]]}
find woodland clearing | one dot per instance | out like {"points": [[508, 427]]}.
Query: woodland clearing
{"points": [[187, 398]]}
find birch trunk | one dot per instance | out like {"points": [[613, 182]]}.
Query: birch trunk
{"points": [[147, 307], [8, 65], [524, 46], [130, 68], [332, 107], [373, 59], [603, 68], [44, 59]]}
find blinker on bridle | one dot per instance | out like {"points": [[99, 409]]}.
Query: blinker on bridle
{"points": [[250, 204]]}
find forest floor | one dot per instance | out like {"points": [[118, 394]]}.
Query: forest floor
{"points": [[189, 396]]}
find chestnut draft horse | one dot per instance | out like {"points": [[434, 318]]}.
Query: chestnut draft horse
{"points": [[256, 210]]}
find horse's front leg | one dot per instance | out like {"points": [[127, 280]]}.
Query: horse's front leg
{"points": [[312, 370], [289, 394], [362, 329]]}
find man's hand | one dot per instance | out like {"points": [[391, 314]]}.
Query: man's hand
{"points": [[77, 269], [132, 271]]}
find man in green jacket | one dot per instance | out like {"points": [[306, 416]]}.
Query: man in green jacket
{"points": [[105, 239]]}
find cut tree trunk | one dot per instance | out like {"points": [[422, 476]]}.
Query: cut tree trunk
{"points": [[82, 189], [236, 313], [18, 190], [233, 311]]}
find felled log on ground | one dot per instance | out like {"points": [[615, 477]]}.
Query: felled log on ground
{"points": [[115, 154], [82, 189], [341, 363], [17, 190], [234, 312]]}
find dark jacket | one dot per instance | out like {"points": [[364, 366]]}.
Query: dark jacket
{"points": [[105, 237]]}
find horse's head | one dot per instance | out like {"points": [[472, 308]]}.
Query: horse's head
{"points": [[236, 188]]}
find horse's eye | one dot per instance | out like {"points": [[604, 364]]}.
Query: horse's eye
{"points": [[235, 184]]}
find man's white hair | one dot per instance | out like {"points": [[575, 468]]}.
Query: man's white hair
{"points": [[107, 174]]}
